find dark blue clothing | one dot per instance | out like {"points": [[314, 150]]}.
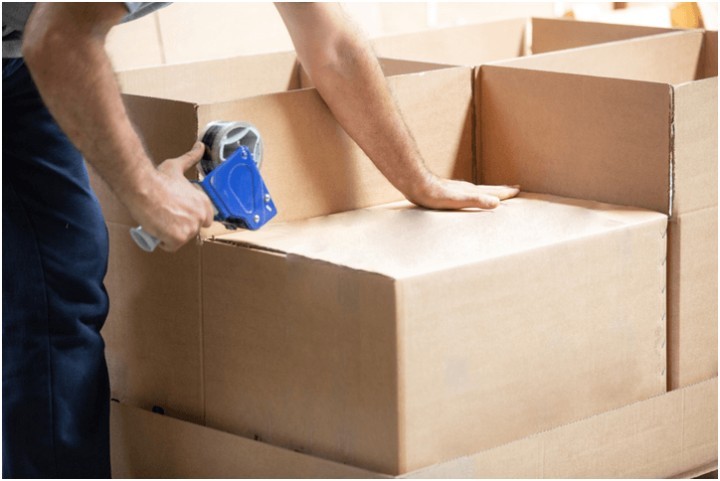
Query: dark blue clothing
{"points": [[55, 246]]}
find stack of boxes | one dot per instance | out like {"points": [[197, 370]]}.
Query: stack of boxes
{"points": [[359, 336]]}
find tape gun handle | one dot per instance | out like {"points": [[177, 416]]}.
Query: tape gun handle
{"points": [[149, 242], [144, 240]]}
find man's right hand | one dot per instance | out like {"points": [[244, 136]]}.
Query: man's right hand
{"points": [[168, 206]]}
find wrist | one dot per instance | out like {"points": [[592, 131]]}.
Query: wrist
{"points": [[420, 188]]}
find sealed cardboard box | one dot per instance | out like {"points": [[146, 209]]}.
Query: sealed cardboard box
{"points": [[673, 435], [632, 123], [394, 338], [310, 165]]}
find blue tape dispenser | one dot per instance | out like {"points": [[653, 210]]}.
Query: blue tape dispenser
{"points": [[231, 179]]}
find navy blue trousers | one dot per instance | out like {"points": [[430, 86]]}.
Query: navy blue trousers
{"points": [[55, 245]]}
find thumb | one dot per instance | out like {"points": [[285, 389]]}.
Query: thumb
{"points": [[179, 165]]}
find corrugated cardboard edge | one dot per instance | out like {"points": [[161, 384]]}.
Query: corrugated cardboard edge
{"points": [[151, 445]]}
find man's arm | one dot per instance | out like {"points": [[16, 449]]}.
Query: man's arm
{"points": [[347, 75], [64, 49]]}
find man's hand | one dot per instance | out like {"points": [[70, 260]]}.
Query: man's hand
{"points": [[347, 75], [438, 193], [168, 206]]}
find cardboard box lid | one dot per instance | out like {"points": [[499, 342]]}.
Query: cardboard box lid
{"points": [[398, 240]]}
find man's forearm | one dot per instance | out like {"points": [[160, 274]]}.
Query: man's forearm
{"points": [[64, 49], [348, 76]]}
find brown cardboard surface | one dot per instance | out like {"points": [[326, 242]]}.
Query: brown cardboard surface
{"points": [[695, 150], [628, 142], [665, 436], [152, 332], [356, 333], [215, 80], [642, 58], [692, 297], [148, 445], [498, 40], [311, 166], [586, 137], [168, 129], [660, 437], [549, 35], [710, 55]]}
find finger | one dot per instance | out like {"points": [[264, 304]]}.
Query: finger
{"points": [[179, 165], [461, 200], [500, 191]]}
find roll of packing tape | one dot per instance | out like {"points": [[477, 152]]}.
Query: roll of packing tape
{"points": [[222, 138]]}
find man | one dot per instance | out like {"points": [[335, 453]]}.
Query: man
{"points": [[60, 99]]}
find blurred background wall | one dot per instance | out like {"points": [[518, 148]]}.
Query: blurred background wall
{"points": [[186, 32]]}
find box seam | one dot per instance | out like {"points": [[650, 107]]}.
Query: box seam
{"points": [[671, 153], [400, 389]]}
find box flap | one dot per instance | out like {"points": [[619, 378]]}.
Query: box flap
{"points": [[695, 120], [576, 136], [710, 55], [669, 58], [551, 34], [390, 67], [215, 80], [469, 45], [312, 167], [168, 129], [399, 240], [163, 447], [661, 437]]}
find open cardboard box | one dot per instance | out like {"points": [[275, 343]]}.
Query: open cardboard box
{"points": [[673, 435], [632, 123], [479, 43], [356, 336], [310, 165]]}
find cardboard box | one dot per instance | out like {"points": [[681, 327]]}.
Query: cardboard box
{"points": [[632, 123], [395, 338], [311, 166], [671, 435], [480, 43]]}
